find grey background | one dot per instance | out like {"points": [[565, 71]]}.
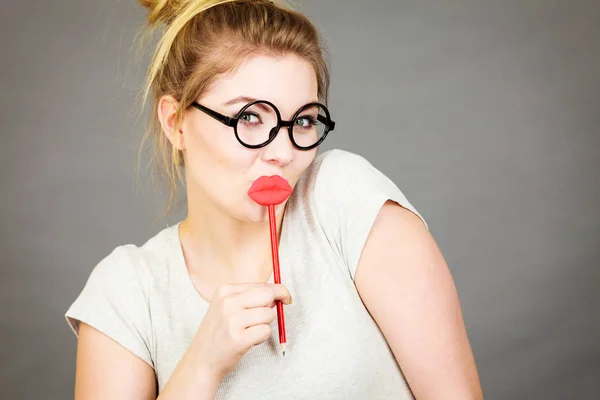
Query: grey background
{"points": [[485, 113]]}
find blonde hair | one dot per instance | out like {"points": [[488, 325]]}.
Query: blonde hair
{"points": [[203, 39]]}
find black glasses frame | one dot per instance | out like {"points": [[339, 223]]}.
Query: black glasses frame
{"points": [[233, 122]]}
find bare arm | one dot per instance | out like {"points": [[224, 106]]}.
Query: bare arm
{"points": [[191, 379], [405, 284], [238, 318], [107, 370]]}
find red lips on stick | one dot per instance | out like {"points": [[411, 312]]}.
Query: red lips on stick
{"points": [[270, 191]]}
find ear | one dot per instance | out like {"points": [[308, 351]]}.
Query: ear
{"points": [[167, 106]]}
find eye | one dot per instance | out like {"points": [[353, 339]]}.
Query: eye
{"points": [[305, 122], [250, 118]]}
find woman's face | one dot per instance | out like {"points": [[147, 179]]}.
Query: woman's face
{"points": [[221, 170]]}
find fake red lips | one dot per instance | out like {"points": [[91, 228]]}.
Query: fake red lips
{"points": [[270, 190]]}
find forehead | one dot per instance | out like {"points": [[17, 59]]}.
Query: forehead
{"points": [[288, 81]]}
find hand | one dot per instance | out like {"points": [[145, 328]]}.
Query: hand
{"points": [[238, 319]]}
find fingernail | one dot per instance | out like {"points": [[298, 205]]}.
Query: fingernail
{"points": [[290, 300]]}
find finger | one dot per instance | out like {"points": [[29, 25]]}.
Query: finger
{"points": [[254, 316], [255, 297], [280, 292], [230, 289], [256, 334], [263, 296]]}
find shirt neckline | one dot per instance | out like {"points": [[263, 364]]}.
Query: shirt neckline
{"points": [[177, 259]]}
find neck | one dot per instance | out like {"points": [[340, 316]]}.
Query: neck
{"points": [[224, 247]]}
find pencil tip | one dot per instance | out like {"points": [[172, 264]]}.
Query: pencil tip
{"points": [[282, 348]]}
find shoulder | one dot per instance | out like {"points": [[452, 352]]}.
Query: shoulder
{"points": [[334, 165], [131, 267], [337, 174], [344, 193], [338, 159], [333, 174], [115, 297], [342, 181]]}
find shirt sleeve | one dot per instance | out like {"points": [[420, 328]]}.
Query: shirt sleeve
{"points": [[114, 302], [348, 194]]}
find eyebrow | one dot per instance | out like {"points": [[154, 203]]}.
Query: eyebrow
{"points": [[240, 99], [248, 99]]}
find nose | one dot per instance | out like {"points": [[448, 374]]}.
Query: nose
{"points": [[281, 150]]}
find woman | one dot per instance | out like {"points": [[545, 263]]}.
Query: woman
{"points": [[239, 90]]}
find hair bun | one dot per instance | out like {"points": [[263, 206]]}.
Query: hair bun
{"points": [[163, 11]]}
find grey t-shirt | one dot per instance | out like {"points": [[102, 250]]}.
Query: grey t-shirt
{"points": [[143, 298]]}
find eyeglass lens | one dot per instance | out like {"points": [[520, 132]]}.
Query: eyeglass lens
{"points": [[257, 122]]}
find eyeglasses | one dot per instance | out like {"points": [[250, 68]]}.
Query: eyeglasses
{"points": [[258, 123]]}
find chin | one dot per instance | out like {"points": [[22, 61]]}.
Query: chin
{"points": [[254, 213]]}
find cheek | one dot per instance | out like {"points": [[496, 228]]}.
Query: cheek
{"points": [[209, 144], [215, 157]]}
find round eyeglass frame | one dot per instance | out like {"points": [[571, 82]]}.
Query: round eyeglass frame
{"points": [[232, 122]]}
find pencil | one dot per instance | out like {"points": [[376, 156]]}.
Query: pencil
{"points": [[277, 276]]}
